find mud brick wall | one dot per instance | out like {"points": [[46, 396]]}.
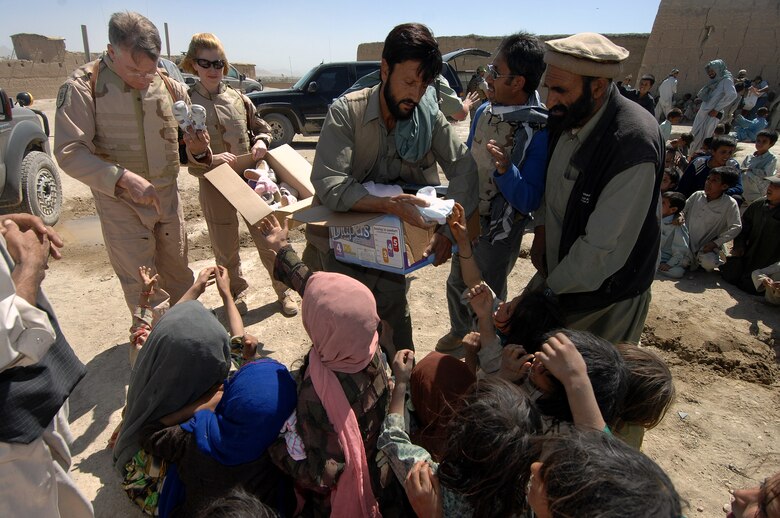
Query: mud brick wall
{"points": [[688, 34], [42, 80]]}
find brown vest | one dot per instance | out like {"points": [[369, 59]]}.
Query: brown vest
{"points": [[488, 128], [226, 119], [136, 130]]}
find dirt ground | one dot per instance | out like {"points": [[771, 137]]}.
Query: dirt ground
{"points": [[721, 344]]}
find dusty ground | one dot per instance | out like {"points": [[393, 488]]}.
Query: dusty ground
{"points": [[722, 432]]}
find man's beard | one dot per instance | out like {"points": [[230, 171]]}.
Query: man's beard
{"points": [[574, 116], [394, 105]]}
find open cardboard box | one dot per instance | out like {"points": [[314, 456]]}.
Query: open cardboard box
{"points": [[289, 167], [373, 240]]}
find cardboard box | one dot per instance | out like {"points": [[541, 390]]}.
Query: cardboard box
{"points": [[378, 241], [289, 167]]}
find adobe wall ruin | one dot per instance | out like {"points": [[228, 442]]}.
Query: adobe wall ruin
{"points": [[687, 35]]}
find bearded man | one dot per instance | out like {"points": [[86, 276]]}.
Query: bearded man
{"points": [[598, 229], [391, 133]]}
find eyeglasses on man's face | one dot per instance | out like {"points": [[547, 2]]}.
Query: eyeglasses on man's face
{"points": [[493, 71]]}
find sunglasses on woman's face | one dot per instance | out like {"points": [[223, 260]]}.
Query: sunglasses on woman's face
{"points": [[205, 63]]}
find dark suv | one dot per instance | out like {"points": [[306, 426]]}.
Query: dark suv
{"points": [[301, 109]]}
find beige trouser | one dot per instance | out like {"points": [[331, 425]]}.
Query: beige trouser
{"points": [[35, 476], [135, 235], [222, 223], [621, 322]]}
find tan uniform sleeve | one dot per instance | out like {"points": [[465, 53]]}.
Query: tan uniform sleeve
{"points": [[74, 132], [260, 129]]}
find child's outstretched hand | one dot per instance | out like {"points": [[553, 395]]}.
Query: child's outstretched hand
{"points": [[402, 366], [223, 282], [481, 301], [457, 222], [205, 278], [515, 363], [274, 234], [249, 350], [472, 345], [423, 491], [562, 359], [149, 280]]}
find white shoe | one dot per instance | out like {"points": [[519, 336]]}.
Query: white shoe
{"points": [[181, 112], [198, 117]]}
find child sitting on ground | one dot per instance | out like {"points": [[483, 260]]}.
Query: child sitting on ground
{"points": [[747, 129], [721, 150], [758, 244], [673, 117], [675, 242], [681, 145], [758, 166], [712, 218], [670, 180], [767, 280]]}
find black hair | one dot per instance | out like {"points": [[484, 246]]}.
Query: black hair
{"points": [[648, 77], [674, 176], [533, 317], [134, 32], [739, 86], [728, 175], [413, 42], [770, 134], [607, 374], [524, 55], [650, 384], [763, 110], [687, 138], [674, 112], [719, 141], [595, 474], [237, 504], [707, 143], [720, 129], [491, 447], [676, 199]]}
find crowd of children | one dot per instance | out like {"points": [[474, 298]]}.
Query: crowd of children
{"points": [[537, 420], [712, 201]]}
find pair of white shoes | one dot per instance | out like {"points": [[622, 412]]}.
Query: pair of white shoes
{"points": [[187, 117]]}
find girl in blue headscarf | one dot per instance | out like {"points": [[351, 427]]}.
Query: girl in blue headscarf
{"points": [[222, 441]]}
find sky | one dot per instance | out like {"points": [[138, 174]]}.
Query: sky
{"points": [[292, 37]]}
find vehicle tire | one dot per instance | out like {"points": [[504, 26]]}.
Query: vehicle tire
{"points": [[41, 187], [282, 131]]}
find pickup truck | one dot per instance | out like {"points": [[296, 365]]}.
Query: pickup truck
{"points": [[29, 179], [301, 109]]}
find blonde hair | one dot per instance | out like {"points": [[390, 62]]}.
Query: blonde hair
{"points": [[201, 41]]}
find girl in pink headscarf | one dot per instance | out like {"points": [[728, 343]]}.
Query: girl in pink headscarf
{"points": [[330, 443]]}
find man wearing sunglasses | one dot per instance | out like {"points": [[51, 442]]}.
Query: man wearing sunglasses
{"points": [[597, 231], [115, 132], [509, 144], [363, 139]]}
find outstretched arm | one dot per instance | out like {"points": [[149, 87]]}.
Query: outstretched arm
{"points": [[564, 361]]}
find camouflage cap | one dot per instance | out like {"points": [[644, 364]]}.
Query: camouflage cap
{"points": [[586, 54]]}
